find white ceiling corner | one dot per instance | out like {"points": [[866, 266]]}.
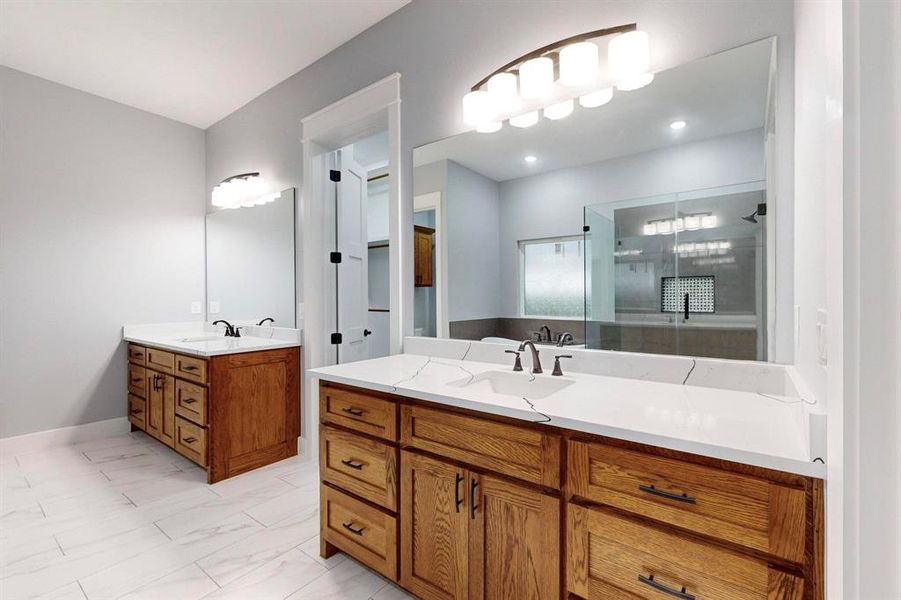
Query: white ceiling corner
{"points": [[192, 61]]}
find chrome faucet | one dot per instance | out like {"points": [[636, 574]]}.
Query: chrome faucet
{"points": [[536, 364]]}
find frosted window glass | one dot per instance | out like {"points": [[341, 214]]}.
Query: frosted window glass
{"points": [[554, 278]]}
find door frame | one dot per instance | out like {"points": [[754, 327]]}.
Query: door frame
{"points": [[362, 113], [434, 201]]}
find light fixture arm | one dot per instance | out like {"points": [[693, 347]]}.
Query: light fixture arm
{"points": [[582, 37], [241, 176]]}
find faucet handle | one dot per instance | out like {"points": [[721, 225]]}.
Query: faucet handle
{"points": [[557, 370], [517, 366]]}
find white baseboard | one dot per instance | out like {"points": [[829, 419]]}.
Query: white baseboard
{"points": [[31, 442]]}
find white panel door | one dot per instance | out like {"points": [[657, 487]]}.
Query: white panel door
{"points": [[353, 278]]}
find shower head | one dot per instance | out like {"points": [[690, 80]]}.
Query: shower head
{"points": [[752, 218]]}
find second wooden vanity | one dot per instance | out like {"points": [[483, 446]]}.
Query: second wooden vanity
{"points": [[229, 413], [455, 504]]}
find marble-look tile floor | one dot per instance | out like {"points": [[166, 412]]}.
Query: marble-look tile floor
{"points": [[126, 517]]}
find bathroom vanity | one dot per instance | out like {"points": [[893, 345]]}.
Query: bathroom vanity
{"points": [[228, 404], [440, 475]]}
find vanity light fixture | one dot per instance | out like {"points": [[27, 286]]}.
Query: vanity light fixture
{"points": [[530, 158], [688, 222], [246, 189], [495, 99], [677, 125], [525, 120]]}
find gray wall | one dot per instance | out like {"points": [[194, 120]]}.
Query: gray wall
{"points": [[550, 204], [441, 48], [101, 224]]}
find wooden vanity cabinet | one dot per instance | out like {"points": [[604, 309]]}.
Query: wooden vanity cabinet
{"points": [[229, 413], [492, 507]]}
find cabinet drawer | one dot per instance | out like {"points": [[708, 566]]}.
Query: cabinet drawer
{"points": [[190, 440], [515, 451], [360, 465], [611, 556], [738, 508], [137, 410], [161, 360], [362, 531], [137, 380], [359, 411], [137, 354], [191, 368], [190, 401]]}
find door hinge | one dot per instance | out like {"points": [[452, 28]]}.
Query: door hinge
{"points": [[334, 175], [586, 228], [334, 258], [336, 338]]}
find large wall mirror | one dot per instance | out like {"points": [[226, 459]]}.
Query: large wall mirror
{"points": [[250, 263], [640, 225]]}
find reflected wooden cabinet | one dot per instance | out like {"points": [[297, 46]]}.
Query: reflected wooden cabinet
{"points": [[422, 256], [229, 413]]}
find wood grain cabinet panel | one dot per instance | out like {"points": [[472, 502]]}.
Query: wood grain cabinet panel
{"points": [[357, 410], [137, 409], [519, 452], [190, 401], [161, 360], [360, 465], [364, 532], [161, 407], [190, 367], [514, 541], [745, 510], [137, 354], [434, 528], [423, 274], [190, 441], [612, 556], [137, 380]]}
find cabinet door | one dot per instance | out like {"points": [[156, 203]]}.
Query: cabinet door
{"points": [[154, 414], [434, 528], [514, 541], [167, 401], [422, 251]]}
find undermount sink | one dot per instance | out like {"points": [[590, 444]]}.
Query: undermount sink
{"points": [[200, 338], [509, 383]]}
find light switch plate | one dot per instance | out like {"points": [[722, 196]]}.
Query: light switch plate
{"points": [[214, 307], [196, 307]]}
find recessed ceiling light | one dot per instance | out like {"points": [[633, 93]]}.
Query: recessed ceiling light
{"points": [[530, 158], [677, 125]]}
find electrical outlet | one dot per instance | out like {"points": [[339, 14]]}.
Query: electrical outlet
{"points": [[822, 357], [214, 307], [196, 307]]}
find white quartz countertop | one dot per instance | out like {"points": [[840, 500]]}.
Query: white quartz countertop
{"points": [[206, 341], [746, 427]]}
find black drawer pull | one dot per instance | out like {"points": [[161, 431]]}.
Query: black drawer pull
{"points": [[649, 580], [668, 495], [188, 368], [458, 501], [136, 411], [136, 380], [190, 440], [473, 484], [357, 412], [353, 464], [350, 528], [189, 400]]}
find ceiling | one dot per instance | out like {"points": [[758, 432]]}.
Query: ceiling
{"points": [[192, 61], [717, 95]]}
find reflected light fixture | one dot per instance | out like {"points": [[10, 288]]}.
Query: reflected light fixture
{"points": [[244, 190], [530, 158], [528, 82], [677, 125]]}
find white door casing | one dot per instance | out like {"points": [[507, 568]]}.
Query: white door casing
{"points": [[353, 277]]}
